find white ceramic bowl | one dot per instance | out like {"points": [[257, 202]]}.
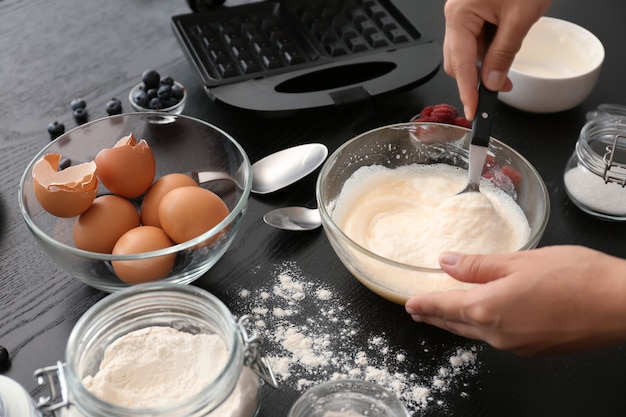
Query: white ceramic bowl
{"points": [[556, 69]]}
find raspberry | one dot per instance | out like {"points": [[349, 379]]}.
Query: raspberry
{"points": [[489, 167], [463, 122], [426, 111], [513, 174], [444, 113], [490, 161], [441, 113]]}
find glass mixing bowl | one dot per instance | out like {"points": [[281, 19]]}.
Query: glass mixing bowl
{"points": [[180, 144], [416, 143]]}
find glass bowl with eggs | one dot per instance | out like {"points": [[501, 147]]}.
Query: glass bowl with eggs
{"points": [[390, 203], [137, 197]]}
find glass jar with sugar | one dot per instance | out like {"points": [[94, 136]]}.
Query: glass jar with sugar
{"points": [[158, 349], [595, 175]]}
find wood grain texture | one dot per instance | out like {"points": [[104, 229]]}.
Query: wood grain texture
{"points": [[54, 51]]}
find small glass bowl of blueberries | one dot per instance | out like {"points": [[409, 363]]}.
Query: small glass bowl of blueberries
{"points": [[158, 94]]}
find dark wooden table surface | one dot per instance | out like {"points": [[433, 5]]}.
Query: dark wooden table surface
{"points": [[54, 51]]}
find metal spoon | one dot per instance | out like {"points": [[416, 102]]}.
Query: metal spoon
{"points": [[285, 167], [293, 218], [278, 170], [481, 129], [481, 132]]}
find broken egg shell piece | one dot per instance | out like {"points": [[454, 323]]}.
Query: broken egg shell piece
{"points": [[128, 168], [65, 193], [129, 140]]}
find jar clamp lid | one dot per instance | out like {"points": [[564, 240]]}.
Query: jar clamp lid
{"points": [[252, 357], [614, 168], [609, 118], [602, 149], [53, 377]]}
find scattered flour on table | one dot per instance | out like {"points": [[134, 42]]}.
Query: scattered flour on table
{"points": [[311, 336]]}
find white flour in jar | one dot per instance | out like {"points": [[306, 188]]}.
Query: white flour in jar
{"points": [[323, 339], [160, 366]]}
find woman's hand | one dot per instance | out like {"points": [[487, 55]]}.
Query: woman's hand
{"points": [[551, 300], [463, 42]]}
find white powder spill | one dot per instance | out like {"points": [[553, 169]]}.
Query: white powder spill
{"points": [[312, 336]]}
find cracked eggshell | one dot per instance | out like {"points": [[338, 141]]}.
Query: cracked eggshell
{"points": [[128, 168], [65, 193]]}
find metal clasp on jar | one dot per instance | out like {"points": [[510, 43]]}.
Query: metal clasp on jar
{"points": [[53, 377], [253, 358], [615, 161]]}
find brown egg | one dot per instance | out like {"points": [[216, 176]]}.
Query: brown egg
{"points": [[128, 168], [108, 218], [187, 212], [150, 204], [138, 240], [65, 193]]}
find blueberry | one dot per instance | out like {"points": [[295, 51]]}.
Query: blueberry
{"points": [[168, 102], [177, 92], [152, 93], [114, 106], [56, 129], [78, 103], [5, 359], [151, 78], [155, 103], [164, 91], [140, 98], [167, 81], [80, 115]]}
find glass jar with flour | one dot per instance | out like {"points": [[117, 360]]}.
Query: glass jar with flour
{"points": [[595, 175], [160, 350]]}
